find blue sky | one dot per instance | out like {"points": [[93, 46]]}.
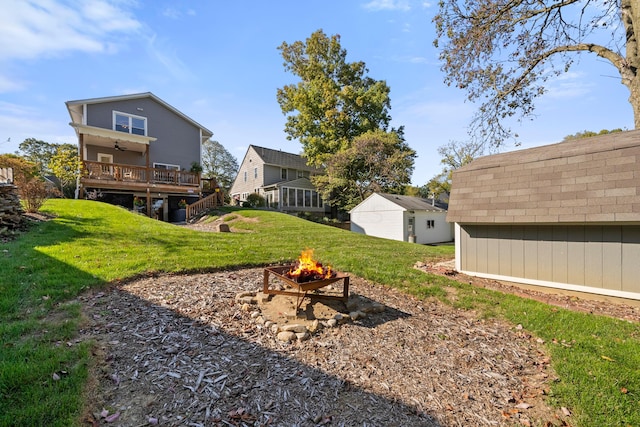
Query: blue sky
{"points": [[217, 61]]}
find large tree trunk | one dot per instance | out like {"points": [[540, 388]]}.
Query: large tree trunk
{"points": [[630, 10], [634, 99]]}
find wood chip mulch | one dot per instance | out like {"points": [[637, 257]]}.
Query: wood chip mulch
{"points": [[180, 350]]}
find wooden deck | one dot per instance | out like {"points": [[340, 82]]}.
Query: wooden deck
{"points": [[135, 178]]}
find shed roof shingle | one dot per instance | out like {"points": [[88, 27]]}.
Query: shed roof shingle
{"points": [[588, 180]]}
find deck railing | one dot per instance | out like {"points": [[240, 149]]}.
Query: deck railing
{"points": [[131, 173], [203, 205]]}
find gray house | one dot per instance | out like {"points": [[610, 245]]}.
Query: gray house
{"points": [[565, 215], [404, 218], [138, 147], [283, 179]]}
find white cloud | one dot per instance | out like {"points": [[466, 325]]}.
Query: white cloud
{"points": [[32, 29], [19, 122], [10, 85], [376, 5], [568, 85]]}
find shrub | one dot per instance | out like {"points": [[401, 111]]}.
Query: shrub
{"points": [[254, 200], [34, 193]]}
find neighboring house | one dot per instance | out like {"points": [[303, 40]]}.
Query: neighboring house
{"points": [[137, 146], [283, 179], [564, 216], [404, 218]]}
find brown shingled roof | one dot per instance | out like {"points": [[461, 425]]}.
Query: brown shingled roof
{"points": [[283, 159], [589, 180]]}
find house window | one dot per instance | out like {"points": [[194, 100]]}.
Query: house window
{"points": [[283, 173], [431, 223], [255, 173], [303, 174], [129, 123], [245, 176]]}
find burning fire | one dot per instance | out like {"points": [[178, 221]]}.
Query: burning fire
{"points": [[306, 269]]}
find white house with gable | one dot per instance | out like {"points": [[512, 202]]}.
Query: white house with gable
{"points": [[404, 218]]}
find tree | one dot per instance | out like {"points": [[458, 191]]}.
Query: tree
{"points": [[376, 161], [65, 165], [218, 163], [333, 102], [455, 154], [503, 53], [38, 152], [588, 134]]}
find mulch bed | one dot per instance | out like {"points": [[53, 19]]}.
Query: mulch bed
{"points": [[181, 350]]}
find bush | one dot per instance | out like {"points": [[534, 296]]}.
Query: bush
{"points": [[254, 200], [34, 193]]}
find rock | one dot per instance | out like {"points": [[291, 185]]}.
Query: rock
{"points": [[332, 323], [245, 307], [245, 294], [255, 314], [374, 308], [260, 320], [314, 326], [268, 323], [247, 300], [262, 297], [223, 228], [286, 336], [303, 336], [275, 328], [294, 328], [355, 315]]}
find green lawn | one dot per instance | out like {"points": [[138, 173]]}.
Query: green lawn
{"points": [[90, 244]]}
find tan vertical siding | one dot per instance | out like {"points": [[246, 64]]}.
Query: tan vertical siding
{"points": [[631, 259], [601, 257]]}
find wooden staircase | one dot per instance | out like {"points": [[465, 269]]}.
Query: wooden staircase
{"points": [[203, 205]]}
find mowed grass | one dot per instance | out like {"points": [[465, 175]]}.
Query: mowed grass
{"points": [[44, 367]]}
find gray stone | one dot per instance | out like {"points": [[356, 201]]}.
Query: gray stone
{"points": [[223, 228], [286, 336]]}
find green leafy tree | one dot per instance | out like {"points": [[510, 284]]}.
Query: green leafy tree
{"points": [[588, 133], [502, 53], [218, 163], [333, 102], [376, 161], [38, 152], [455, 154], [65, 165]]}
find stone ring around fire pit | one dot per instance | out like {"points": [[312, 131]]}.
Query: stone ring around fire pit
{"points": [[303, 288]]}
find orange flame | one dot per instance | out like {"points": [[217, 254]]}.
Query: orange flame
{"points": [[307, 269]]}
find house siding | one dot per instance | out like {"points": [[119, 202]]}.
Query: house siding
{"points": [[601, 257], [178, 140]]}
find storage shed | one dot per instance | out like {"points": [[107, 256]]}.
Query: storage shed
{"points": [[565, 215], [404, 218]]}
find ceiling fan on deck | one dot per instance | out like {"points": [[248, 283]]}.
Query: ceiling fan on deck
{"points": [[118, 147]]}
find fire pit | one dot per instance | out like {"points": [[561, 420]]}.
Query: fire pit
{"points": [[306, 275]]}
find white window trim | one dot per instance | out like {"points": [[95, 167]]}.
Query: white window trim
{"points": [[166, 166], [109, 156], [130, 116]]}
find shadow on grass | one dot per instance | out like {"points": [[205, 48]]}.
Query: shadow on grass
{"points": [[42, 372], [184, 371]]}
